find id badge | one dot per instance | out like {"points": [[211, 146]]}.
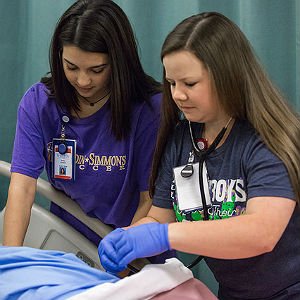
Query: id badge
{"points": [[188, 188], [63, 159]]}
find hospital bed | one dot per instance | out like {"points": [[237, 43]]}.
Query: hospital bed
{"points": [[48, 232]]}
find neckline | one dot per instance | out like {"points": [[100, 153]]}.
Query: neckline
{"points": [[228, 140], [89, 103], [89, 120]]}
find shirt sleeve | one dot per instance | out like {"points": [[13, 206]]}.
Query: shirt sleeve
{"points": [[266, 173], [27, 155]]}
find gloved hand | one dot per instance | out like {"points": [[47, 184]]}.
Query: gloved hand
{"points": [[120, 247]]}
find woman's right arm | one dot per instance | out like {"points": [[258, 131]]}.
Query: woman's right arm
{"points": [[20, 199]]}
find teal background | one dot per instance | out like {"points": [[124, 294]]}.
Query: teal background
{"points": [[272, 26]]}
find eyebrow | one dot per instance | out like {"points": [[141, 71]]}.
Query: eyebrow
{"points": [[182, 79], [93, 67]]}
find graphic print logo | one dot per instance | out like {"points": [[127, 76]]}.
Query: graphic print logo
{"points": [[95, 162]]}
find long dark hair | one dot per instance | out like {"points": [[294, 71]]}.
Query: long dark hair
{"points": [[243, 88], [101, 26]]}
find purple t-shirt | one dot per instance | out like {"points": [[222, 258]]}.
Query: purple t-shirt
{"points": [[110, 174]]}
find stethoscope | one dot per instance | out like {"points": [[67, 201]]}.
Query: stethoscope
{"points": [[201, 151]]}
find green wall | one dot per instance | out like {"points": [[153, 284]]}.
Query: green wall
{"points": [[272, 26]]}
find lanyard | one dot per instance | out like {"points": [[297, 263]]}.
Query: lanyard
{"points": [[62, 148]]}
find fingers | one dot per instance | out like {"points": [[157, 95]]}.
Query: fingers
{"points": [[110, 265], [127, 258], [107, 251], [125, 250], [113, 249], [107, 256]]}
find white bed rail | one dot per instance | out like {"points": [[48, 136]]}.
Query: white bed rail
{"points": [[45, 189]]}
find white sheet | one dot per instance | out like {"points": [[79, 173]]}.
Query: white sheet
{"points": [[150, 281]]}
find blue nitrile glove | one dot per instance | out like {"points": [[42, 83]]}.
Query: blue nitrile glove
{"points": [[121, 247], [107, 252]]}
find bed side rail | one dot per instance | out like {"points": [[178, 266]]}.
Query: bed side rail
{"points": [[45, 189]]}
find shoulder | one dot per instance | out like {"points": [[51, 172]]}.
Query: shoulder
{"points": [[254, 150], [156, 99], [244, 134], [148, 110], [37, 103], [178, 143], [180, 133], [36, 94], [38, 89], [249, 136], [154, 103]]}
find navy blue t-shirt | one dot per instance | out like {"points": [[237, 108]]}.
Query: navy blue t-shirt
{"points": [[242, 168]]}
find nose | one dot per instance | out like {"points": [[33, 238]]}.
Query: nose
{"points": [[83, 79], [178, 93]]}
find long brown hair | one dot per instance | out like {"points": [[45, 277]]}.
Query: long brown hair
{"points": [[243, 88]]}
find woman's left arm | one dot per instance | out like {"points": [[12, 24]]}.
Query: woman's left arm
{"points": [[254, 233]]}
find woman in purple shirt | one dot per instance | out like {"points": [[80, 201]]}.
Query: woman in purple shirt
{"points": [[92, 124]]}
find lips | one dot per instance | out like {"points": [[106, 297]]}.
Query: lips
{"points": [[186, 107], [84, 89]]}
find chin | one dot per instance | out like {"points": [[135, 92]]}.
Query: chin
{"points": [[85, 93], [193, 119]]}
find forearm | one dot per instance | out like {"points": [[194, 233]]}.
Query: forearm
{"points": [[18, 209], [233, 238], [16, 222]]}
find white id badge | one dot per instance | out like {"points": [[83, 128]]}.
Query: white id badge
{"points": [[64, 162], [188, 188]]}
